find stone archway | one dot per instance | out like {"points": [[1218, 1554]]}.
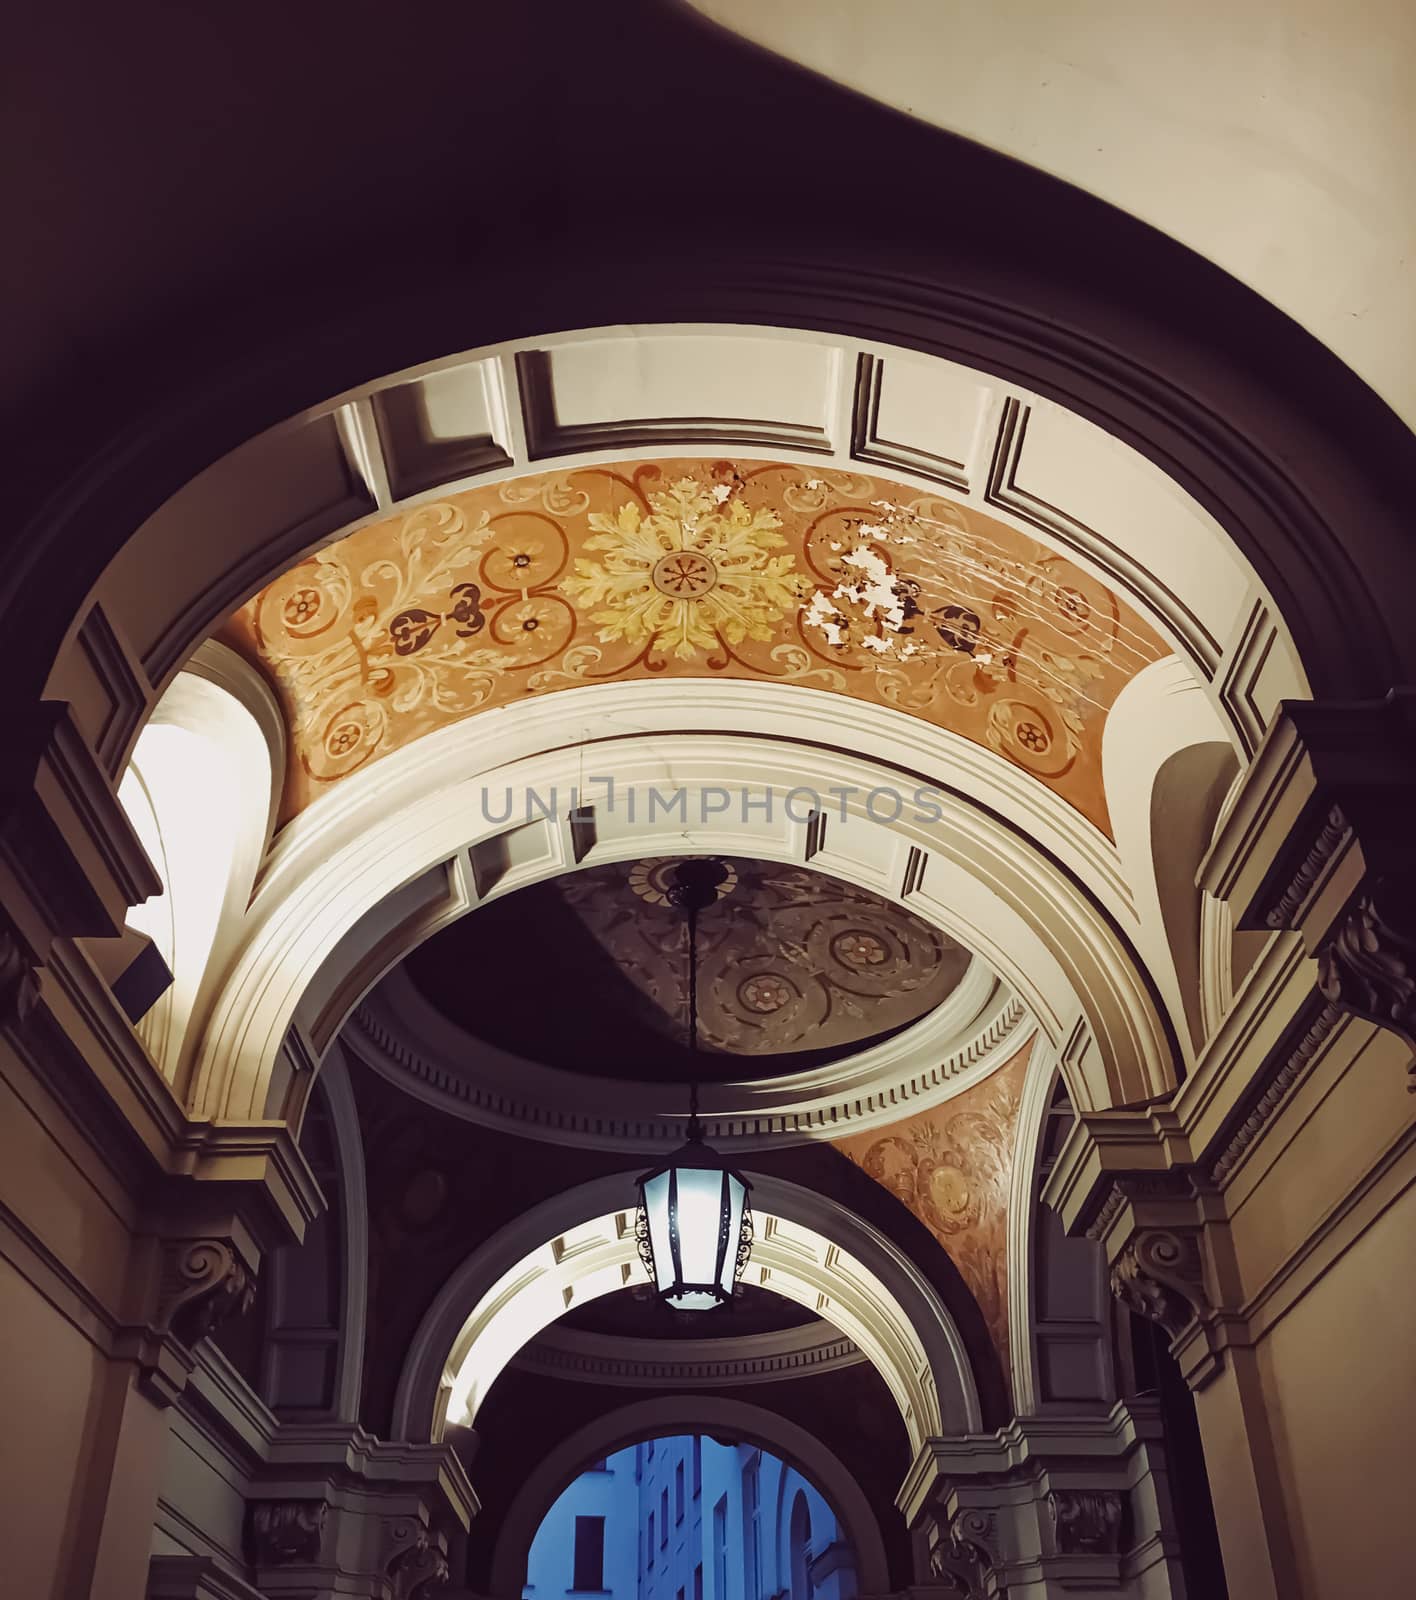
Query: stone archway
{"points": [[688, 1414]]}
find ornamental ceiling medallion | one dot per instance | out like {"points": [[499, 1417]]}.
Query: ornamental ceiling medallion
{"points": [[793, 964], [788, 959], [953, 1168], [694, 568]]}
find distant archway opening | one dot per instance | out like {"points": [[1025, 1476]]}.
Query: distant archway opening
{"points": [[715, 1500]]}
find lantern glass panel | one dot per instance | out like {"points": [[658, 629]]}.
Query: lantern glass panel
{"points": [[700, 1221]]}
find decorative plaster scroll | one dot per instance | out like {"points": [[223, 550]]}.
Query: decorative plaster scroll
{"points": [[203, 1283], [1086, 1521], [1368, 965], [283, 1532], [1335, 831], [1160, 1277], [1295, 1064]]}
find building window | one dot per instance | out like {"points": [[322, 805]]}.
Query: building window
{"points": [[649, 1450], [698, 1582], [663, 1516], [799, 1534], [589, 1553], [650, 1562], [678, 1492], [697, 1465], [751, 1531], [720, 1549]]}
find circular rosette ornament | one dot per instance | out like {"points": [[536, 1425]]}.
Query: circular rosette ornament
{"points": [[1040, 738], [349, 737], [864, 956], [534, 629], [526, 550], [761, 1007], [305, 611], [946, 1194]]}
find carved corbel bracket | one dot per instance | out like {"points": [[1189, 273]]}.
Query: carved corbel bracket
{"points": [[285, 1532], [416, 1558], [965, 1556], [1086, 1521], [1367, 964], [1160, 1275], [204, 1281]]}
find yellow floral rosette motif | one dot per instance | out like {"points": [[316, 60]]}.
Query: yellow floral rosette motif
{"points": [[696, 570]]}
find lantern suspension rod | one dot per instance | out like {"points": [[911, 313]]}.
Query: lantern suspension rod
{"points": [[695, 885]]}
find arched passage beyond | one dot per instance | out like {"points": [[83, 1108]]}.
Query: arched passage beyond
{"points": [[713, 1414], [510, 1288]]}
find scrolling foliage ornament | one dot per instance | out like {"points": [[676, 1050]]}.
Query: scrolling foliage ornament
{"points": [[690, 568], [1368, 964]]}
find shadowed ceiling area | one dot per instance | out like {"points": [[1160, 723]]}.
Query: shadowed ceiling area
{"points": [[638, 1313], [589, 972]]}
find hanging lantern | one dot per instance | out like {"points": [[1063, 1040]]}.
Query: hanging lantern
{"points": [[694, 1227]]}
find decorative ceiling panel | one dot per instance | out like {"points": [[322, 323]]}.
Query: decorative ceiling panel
{"points": [[694, 568], [953, 1168], [795, 969]]}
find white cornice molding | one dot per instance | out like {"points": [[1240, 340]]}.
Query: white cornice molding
{"points": [[702, 1363]]}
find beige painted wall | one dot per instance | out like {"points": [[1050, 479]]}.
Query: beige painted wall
{"points": [[1339, 1381], [52, 1396]]}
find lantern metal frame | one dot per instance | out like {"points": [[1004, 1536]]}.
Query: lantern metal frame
{"points": [[695, 886]]}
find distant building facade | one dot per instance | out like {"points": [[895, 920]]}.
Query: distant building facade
{"points": [[688, 1518]]}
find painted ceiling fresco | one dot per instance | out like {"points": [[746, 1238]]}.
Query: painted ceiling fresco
{"points": [[791, 964], [694, 568], [953, 1168]]}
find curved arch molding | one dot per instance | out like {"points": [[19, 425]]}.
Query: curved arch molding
{"points": [[580, 1245], [499, 410], [984, 883]]}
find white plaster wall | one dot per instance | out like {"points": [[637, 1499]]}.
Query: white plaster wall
{"points": [[1273, 137]]}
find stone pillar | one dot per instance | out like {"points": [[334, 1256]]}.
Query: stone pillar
{"points": [[1047, 1507], [335, 1511]]}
